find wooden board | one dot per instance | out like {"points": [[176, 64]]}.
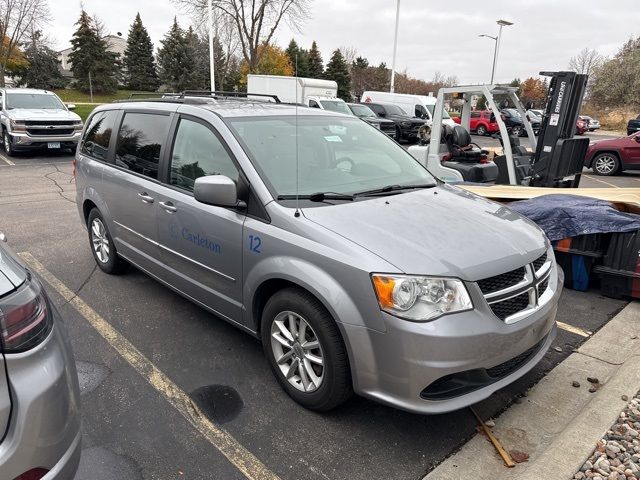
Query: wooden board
{"points": [[628, 199]]}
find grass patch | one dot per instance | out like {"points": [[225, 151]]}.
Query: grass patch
{"points": [[76, 96], [84, 111]]}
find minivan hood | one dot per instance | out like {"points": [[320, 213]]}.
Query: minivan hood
{"points": [[437, 231], [41, 114]]}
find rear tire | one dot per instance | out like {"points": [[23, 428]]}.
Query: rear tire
{"points": [[482, 130], [516, 131], [309, 361], [606, 164], [102, 247]]}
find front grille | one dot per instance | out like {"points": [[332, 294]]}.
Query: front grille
{"points": [[504, 369], [66, 123], [542, 287], [539, 262], [49, 131], [502, 281], [511, 306]]}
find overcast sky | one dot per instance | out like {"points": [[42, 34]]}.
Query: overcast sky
{"points": [[433, 36]]}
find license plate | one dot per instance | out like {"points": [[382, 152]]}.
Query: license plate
{"points": [[53, 145]]}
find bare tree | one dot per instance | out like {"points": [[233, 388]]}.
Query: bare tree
{"points": [[17, 18], [349, 54], [255, 21], [586, 61]]}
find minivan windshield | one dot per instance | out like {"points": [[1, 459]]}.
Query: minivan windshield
{"points": [[335, 106], [33, 100], [339, 155]]}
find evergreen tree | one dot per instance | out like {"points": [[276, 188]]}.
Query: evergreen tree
{"points": [[174, 60], [316, 67], [42, 70], [199, 76], [298, 57], [138, 59], [90, 57], [338, 70]]}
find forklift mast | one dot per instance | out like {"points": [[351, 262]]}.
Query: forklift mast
{"points": [[559, 157]]}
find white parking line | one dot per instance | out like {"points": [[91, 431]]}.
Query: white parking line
{"points": [[572, 329], [6, 160], [240, 457], [599, 180]]}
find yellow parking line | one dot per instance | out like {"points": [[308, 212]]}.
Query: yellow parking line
{"points": [[572, 329], [601, 181], [6, 160], [240, 457]]}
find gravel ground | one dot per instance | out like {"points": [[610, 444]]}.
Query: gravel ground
{"points": [[617, 454]]}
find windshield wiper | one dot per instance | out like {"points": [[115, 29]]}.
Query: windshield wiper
{"points": [[392, 189], [318, 197]]}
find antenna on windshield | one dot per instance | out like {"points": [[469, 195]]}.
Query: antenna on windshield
{"points": [[297, 212]]}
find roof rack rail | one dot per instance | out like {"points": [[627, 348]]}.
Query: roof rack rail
{"points": [[152, 94], [220, 93]]}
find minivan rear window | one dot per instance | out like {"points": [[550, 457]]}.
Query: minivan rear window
{"points": [[98, 133], [140, 142]]}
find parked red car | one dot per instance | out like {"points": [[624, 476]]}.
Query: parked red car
{"points": [[608, 157], [482, 122], [582, 126]]}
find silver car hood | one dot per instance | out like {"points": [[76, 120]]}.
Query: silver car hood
{"points": [[438, 231], [41, 114]]}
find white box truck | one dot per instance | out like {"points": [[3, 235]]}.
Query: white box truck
{"points": [[312, 92], [420, 106]]}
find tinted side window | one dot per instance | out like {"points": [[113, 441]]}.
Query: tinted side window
{"points": [[98, 133], [313, 104], [475, 114], [140, 141], [376, 108], [198, 152], [420, 111]]}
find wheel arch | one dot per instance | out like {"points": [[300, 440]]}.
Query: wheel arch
{"points": [[611, 151]]}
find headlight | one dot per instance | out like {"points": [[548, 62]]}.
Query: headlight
{"points": [[420, 298], [17, 125]]}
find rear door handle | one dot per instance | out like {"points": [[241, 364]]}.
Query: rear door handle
{"points": [[144, 196], [168, 206]]}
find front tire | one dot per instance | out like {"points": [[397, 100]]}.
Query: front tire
{"points": [[6, 141], [606, 164], [398, 136], [516, 131], [102, 247], [305, 350]]}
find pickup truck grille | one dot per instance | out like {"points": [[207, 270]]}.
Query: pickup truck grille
{"points": [[512, 294], [53, 132], [34, 123]]}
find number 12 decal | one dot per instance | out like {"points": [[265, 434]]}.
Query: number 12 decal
{"points": [[255, 244]]}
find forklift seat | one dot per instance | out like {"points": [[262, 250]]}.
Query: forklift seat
{"points": [[461, 148]]}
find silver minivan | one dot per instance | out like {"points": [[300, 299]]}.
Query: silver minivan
{"points": [[318, 234]]}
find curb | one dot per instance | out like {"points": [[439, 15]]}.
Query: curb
{"points": [[556, 424]]}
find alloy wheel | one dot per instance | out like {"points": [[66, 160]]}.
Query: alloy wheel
{"points": [[99, 240], [605, 164], [7, 143], [297, 351]]}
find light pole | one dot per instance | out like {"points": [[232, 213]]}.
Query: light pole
{"points": [[212, 68], [395, 48], [502, 23]]}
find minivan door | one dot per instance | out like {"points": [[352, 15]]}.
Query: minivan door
{"points": [[201, 245], [132, 188]]}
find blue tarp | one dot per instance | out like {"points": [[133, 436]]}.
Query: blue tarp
{"points": [[565, 216]]}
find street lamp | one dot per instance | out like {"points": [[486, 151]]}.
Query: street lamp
{"points": [[502, 23], [212, 68], [395, 48]]}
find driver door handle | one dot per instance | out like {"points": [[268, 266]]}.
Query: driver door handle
{"points": [[145, 197], [169, 207]]}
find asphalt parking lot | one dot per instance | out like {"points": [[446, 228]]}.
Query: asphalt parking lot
{"points": [[131, 431]]}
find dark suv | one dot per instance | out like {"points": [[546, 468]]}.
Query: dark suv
{"points": [[406, 127], [513, 120]]}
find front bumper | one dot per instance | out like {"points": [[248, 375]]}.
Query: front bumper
{"points": [[24, 141], [44, 430], [396, 366]]}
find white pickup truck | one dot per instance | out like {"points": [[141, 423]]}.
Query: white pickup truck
{"points": [[35, 119]]}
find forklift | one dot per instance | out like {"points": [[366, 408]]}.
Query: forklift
{"points": [[556, 157]]}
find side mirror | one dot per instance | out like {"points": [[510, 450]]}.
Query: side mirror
{"points": [[217, 190], [71, 106], [637, 138]]}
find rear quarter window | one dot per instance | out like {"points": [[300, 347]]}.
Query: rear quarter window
{"points": [[98, 134]]}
